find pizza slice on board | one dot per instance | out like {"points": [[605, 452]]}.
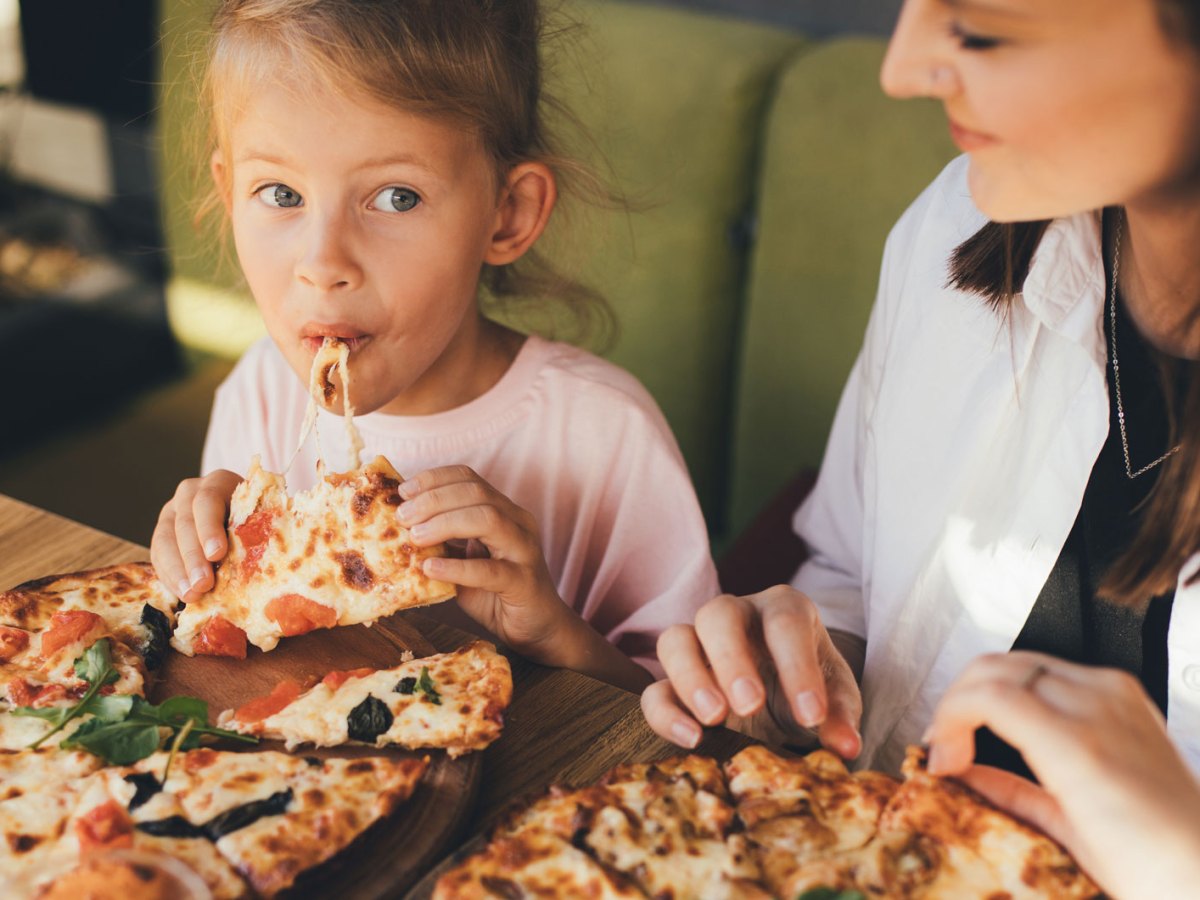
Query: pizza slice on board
{"points": [[451, 701], [334, 555]]}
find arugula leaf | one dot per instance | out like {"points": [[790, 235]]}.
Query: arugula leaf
{"points": [[119, 743], [425, 685], [95, 666]]}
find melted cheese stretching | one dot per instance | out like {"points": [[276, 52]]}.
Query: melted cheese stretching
{"points": [[334, 354]]}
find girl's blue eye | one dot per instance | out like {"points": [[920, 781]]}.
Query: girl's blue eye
{"points": [[280, 196], [396, 199], [969, 41]]}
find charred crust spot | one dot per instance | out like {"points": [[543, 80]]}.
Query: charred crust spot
{"points": [[502, 887], [361, 504], [355, 571], [359, 767], [315, 796], [317, 583], [390, 534], [295, 564]]}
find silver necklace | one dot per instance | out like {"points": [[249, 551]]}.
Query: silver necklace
{"points": [[1112, 321]]}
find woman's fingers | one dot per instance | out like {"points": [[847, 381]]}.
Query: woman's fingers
{"points": [[793, 634], [683, 659], [724, 627], [668, 717], [1021, 797], [840, 730]]}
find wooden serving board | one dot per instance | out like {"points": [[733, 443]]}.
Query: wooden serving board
{"points": [[396, 851]]}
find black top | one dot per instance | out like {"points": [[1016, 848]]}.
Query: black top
{"points": [[1069, 620]]}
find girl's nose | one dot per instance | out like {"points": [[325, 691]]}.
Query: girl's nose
{"points": [[916, 64], [328, 262]]}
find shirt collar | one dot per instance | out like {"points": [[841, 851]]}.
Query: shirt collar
{"points": [[1066, 286]]}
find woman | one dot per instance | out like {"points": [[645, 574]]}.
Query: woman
{"points": [[1015, 462]]}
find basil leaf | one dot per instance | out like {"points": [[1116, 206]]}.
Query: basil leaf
{"points": [[828, 893], [177, 710], [425, 686], [120, 743]]}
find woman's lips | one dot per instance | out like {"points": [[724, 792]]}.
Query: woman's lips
{"points": [[968, 140]]}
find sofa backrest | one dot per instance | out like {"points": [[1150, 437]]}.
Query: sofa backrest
{"points": [[840, 163]]}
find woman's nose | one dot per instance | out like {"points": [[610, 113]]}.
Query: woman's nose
{"points": [[329, 262], [916, 64]]}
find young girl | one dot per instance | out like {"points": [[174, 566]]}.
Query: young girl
{"points": [[377, 162], [1015, 463]]}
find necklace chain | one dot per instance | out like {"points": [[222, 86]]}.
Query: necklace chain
{"points": [[1112, 320]]}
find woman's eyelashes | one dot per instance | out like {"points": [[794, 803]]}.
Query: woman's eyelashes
{"points": [[279, 196], [396, 199], [970, 41]]}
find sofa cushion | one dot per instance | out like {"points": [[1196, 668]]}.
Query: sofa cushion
{"points": [[841, 162]]}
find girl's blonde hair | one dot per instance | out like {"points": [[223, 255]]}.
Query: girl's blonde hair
{"points": [[475, 63]]}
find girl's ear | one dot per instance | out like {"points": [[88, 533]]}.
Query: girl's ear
{"points": [[525, 205], [220, 176]]}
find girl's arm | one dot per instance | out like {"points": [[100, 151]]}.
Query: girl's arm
{"points": [[507, 589], [1113, 788]]}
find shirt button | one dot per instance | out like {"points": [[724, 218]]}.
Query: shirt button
{"points": [[1191, 677]]}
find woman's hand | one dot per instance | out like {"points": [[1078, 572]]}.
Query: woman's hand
{"points": [[507, 588], [1114, 790], [190, 534], [763, 655]]}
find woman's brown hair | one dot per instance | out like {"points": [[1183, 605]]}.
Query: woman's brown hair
{"points": [[993, 263], [475, 63]]}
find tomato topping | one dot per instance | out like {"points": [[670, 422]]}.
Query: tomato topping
{"points": [[255, 535], [260, 707], [335, 680], [67, 628], [297, 615], [12, 642], [105, 827], [22, 693], [220, 637]]}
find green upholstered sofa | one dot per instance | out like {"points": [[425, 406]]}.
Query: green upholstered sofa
{"points": [[764, 170]]}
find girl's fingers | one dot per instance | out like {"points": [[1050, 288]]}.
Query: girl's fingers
{"points": [[724, 627], [502, 536], [164, 554], [498, 576], [667, 716], [687, 670], [436, 478], [792, 633], [210, 507], [446, 498]]}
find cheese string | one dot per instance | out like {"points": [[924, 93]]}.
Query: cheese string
{"points": [[333, 354]]}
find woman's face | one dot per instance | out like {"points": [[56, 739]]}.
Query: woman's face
{"points": [[1063, 105]]}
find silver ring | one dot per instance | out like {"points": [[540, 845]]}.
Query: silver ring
{"points": [[1033, 677]]}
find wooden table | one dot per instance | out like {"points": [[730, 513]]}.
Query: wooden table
{"points": [[561, 727]]}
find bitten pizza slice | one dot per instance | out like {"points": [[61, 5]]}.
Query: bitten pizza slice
{"points": [[796, 810], [334, 555], [452, 701]]}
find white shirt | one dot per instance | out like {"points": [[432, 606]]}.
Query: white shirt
{"points": [[569, 437], [957, 465]]}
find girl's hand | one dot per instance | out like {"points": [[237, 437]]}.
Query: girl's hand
{"points": [[509, 590], [765, 655], [190, 534], [1114, 790]]}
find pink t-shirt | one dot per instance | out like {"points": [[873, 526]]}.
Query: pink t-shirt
{"points": [[571, 438]]}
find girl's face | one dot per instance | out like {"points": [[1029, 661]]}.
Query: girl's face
{"points": [[356, 220], [1063, 105]]}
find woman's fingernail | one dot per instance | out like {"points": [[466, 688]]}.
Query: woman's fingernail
{"points": [[687, 734], [197, 575], [407, 489], [182, 588], [420, 532], [707, 704], [808, 708], [433, 567], [212, 548], [746, 695], [404, 511]]}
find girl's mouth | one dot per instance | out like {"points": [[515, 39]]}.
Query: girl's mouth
{"points": [[312, 342]]}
